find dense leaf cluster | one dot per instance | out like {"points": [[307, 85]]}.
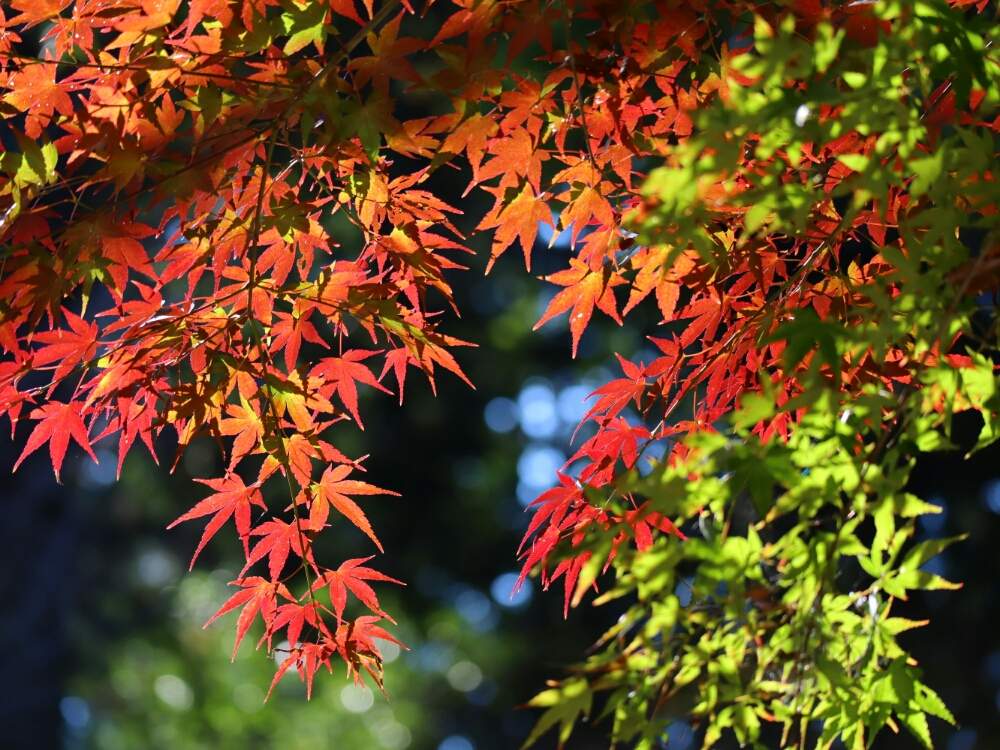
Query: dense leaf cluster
{"points": [[219, 217]]}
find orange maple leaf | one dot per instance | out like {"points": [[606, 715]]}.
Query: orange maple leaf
{"points": [[333, 490], [36, 11], [34, 90], [584, 290], [519, 219]]}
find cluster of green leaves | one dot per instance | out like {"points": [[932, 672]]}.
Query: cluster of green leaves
{"points": [[782, 605]]}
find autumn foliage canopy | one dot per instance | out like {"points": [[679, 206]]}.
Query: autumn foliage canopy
{"points": [[218, 218]]}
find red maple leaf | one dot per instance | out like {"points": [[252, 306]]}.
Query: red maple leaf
{"points": [[294, 617], [257, 595], [58, 422], [358, 637], [301, 452], [518, 219], [34, 90], [616, 394], [35, 11], [307, 659], [231, 498], [67, 347], [351, 576], [344, 371], [279, 539], [389, 58]]}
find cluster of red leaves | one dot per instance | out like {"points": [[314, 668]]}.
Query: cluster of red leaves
{"points": [[175, 273], [184, 270], [633, 96]]}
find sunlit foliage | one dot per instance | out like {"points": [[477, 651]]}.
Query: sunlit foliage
{"points": [[220, 217]]}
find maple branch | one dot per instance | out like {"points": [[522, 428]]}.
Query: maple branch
{"points": [[265, 354], [875, 457], [319, 78], [345, 50], [577, 90], [254, 235], [34, 60]]}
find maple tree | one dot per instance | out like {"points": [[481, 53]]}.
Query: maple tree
{"points": [[219, 217]]}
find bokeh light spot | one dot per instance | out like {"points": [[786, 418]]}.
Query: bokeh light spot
{"points": [[991, 494], [464, 676], [501, 415], [502, 591], [538, 464], [356, 698], [173, 691], [75, 711], [536, 405], [574, 401], [388, 649], [456, 742]]}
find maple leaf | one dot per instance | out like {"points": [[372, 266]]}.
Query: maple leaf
{"points": [[424, 350], [616, 394], [584, 289], [126, 254], [257, 595], [616, 439], [58, 422], [301, 401], [569, 569], [232, 498], [333, 490], [34, 90], [135, 419], [157, 13], [589, 204], [653, 276], [471, 136], [513, 155], [347, 9], [198, 9], [518, 219], [307, 659], [707, 315], [551, 505], [359, 638], [246, 425], [344, 372], [35, 11], [279, 539], [11, 399], [541, 546], [388, 58], [294, 616], [300, 452], [363, 631], [563, 703], [475, 23], [67, 347], [351, 576], [397, 360], [288, 333]]}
